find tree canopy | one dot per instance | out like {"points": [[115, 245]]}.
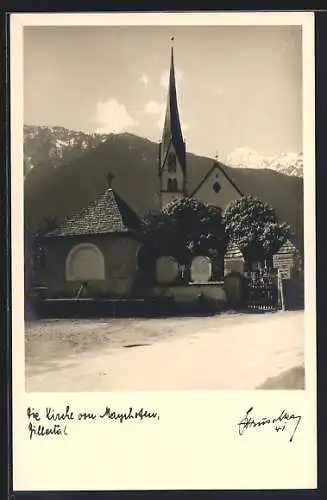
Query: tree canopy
{"points": [[39, 249], [184, 228], [253, 225]]}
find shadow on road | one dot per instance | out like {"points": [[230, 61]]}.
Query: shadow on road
{"points": [[291, 379]]}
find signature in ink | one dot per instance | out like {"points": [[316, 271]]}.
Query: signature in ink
{"points": [[279, 423]]}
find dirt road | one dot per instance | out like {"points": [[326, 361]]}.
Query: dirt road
{"points": [[227, 351]]}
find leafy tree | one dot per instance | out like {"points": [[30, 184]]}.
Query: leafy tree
{"points": [[183, 229], [48, 225], [253, 225]]}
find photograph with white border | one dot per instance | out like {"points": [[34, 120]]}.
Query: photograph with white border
{"points": [[163, 266]]}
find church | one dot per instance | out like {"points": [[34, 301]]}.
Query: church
{"points": [[95, 252], [216, 188]]}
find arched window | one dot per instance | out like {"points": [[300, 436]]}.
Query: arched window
{"points": [[166, 269], [172, 185], [171, 162], [85, 262]]}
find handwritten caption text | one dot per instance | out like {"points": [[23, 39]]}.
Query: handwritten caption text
{"points": [[51, 422]]}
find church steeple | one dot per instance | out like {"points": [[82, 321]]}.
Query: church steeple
{"points": [[172, 157], [172, 126]]}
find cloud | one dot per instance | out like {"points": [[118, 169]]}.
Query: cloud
{"points": [[111, 116], [164, 78], [154, 108], [185, 126], [144, 79], [158, 108], [218, 90], [161, 120]]}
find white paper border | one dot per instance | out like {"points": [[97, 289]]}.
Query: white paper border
{"points": [[195, 445]]}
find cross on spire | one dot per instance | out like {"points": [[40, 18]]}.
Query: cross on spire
{"points": [[110, 178], [172, 69]]}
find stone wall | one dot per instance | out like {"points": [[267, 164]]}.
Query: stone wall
{"points": [[120, 257], [190, 294], [234, 286], [234, 266]]}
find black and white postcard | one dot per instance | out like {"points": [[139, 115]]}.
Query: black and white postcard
{"points": [[163, 259]]}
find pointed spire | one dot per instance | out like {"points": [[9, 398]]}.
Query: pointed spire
{"points": [[172, 80], [172, 126], [172, 69], [172, 151]]}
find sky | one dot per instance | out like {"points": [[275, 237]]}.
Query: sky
{"points": [[238, 86]]}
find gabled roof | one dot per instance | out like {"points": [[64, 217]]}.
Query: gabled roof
{"points": [[287, 248], [219, 166], [233, 251], [106, 214]]}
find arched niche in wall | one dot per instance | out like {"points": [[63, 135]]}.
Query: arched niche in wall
{"points": [[140, 256], [85, 262], [201, 269], [167, 269]]}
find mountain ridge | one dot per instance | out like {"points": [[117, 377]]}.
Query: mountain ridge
{"points": [[60, 180], [289, 163]]}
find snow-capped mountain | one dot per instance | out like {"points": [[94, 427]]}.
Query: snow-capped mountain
{"points": [[65, 169], [285, 163], [56, 145], [288, 163]]}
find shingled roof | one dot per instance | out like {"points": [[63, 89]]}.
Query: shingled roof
{"points": [[106, 214], [287, 248], [233, 252]]}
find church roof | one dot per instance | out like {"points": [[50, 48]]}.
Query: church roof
{"points": [[106, 214], [287, 248], [219, 166], [172, 132]]}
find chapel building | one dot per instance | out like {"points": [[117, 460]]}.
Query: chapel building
{"points": [[95, 250]]}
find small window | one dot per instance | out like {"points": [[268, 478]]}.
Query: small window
{"points": [[216, 187], [171, 162], [172, 185]]}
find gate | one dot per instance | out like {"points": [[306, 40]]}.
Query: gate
{"points": [[263, 291]]}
